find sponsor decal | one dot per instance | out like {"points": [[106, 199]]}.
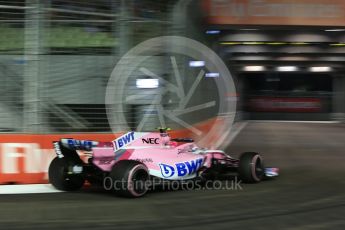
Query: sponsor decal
{"points": [[80, 144], [180, 169], [123, 140], [187, 149], [58, 150], [152, 141], [144, 160], [167, 170]]}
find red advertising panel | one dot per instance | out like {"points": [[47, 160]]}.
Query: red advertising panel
{"points": [[24, 158], [275, 12], [272, 104]]}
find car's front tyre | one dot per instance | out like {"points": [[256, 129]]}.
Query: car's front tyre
{"points": [[251, 167]]}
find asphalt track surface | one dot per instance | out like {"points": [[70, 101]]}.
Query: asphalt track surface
{"points": [[310, 193]]}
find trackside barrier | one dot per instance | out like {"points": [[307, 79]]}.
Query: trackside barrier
{"points": [[24, 159]]}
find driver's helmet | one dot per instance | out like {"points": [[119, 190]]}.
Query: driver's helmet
{"points": [[165, 138]]}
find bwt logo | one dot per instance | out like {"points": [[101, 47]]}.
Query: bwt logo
{"points": [[182, 169], [124, 140], [153, 141]]}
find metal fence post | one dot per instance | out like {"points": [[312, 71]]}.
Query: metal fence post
{"points": [[32, 116], [124, 29]]}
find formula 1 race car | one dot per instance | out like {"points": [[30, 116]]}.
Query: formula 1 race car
{"points": [[142, 156]]}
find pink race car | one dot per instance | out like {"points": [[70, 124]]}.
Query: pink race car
{"points": [[130, 162]]}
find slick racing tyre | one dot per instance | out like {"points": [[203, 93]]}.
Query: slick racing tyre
{"points": [[251, 168], [129, 178], [61, 175]]}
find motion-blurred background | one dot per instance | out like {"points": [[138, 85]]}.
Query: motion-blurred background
{"points": [[286, 58], [56, 57]]}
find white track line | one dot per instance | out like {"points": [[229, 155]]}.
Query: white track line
{"points": [[27, 189]]}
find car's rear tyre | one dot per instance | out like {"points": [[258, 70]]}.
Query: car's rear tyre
{"points": [[61, 175], [129, 178], [251, 168]]}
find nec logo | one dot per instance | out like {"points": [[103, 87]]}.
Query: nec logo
{"points": [[181, 169], [153, 141]]}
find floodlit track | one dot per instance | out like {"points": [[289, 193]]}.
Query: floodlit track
{"points": [[309, 194]]}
